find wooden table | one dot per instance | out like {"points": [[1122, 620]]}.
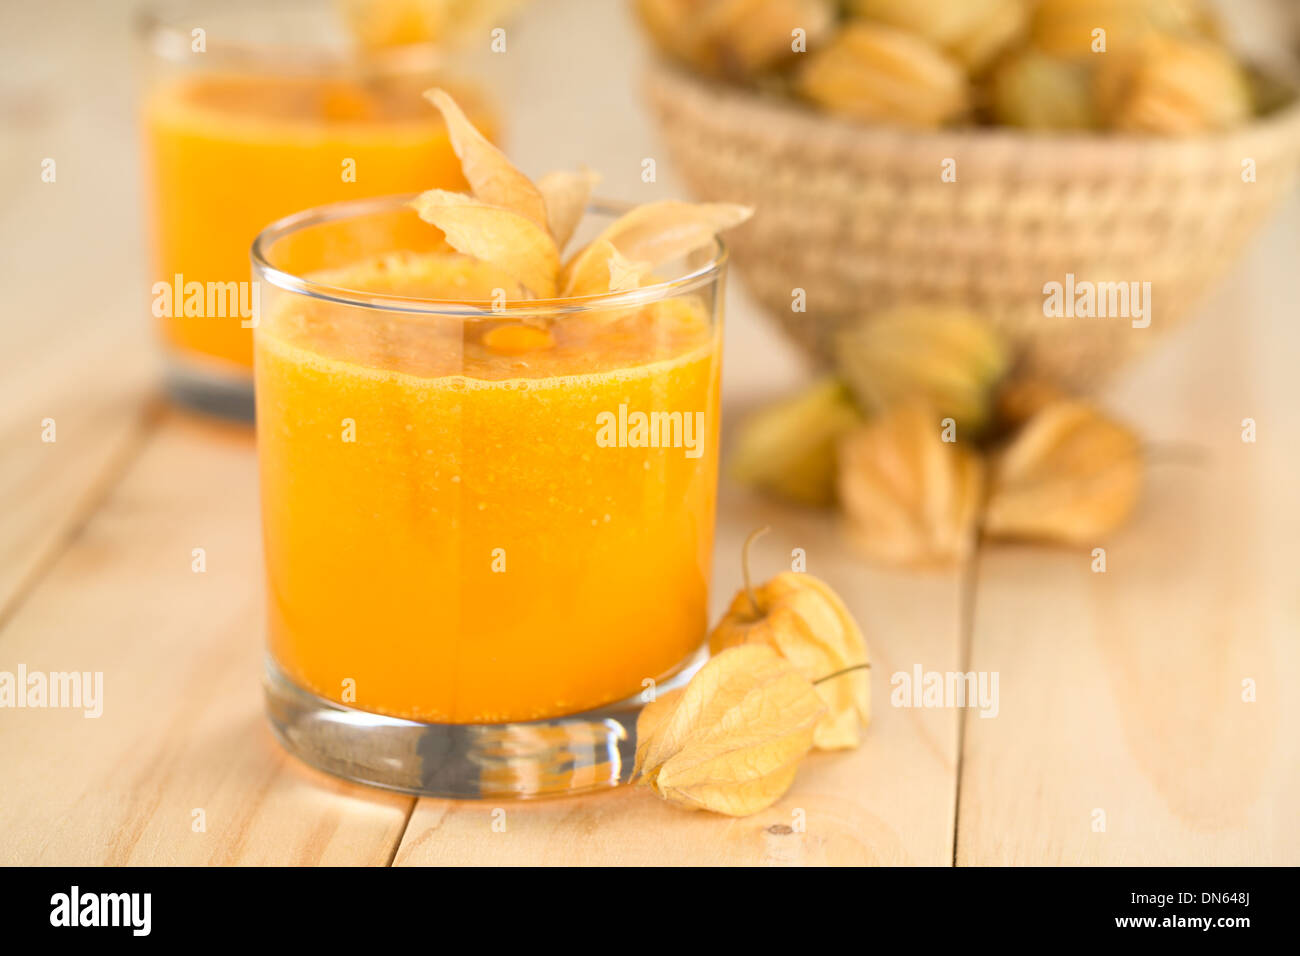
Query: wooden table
{"points": [[1121, 694]]}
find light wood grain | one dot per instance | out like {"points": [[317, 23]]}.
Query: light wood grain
{"points": [[889, 802], [1119, 692], [182, 726], [52, 486], [1122, 692], [75, 344]]}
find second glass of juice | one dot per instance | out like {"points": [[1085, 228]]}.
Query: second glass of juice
{"points": [[488, 527], [255, 109]]}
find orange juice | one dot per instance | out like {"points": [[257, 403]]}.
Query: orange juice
{"points": [[229, 153], [462, 524]]}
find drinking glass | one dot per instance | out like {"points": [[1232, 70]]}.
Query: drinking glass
{"points": [[254, 109], [488, 521]]}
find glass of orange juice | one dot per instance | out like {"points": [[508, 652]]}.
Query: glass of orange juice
{"points": [[254, 109], [487, 526]]}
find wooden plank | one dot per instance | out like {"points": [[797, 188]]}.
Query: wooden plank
{"points": [[53, 485], [75, 334], [182, 726], [1122, 692], [889, 802]]}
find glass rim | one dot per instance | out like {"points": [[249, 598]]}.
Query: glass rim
{"points": [[156, 24], [710, 272]]}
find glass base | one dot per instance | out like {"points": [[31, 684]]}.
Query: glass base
{"points": [[210, 388], [541, 758]]}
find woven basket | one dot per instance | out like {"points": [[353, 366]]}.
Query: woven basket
{"points": [[859, 217]]}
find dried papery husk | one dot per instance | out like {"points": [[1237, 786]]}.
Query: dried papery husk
{"points": [[492, 178], [876, 73], [619, 273], [1066, 27], [748, 36], [730, 741], [565, 194], [653, 234], [624, 274], [1174, 87], [1005, 27], [520, 227], [734, 38], [788, 449], [803, 619], [1036, 90], [911, 498], [1070, 475], [973, 31], [499, 236], [947, 358]]}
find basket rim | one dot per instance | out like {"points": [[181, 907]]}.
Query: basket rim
{"points": [[748, 112]]}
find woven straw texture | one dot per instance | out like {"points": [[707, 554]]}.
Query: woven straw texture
{"points": [[859, 217]]}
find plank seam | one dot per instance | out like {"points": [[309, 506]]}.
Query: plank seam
{"points": [[966, 612], [401, 836]]}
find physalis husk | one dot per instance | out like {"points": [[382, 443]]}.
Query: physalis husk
{"points": [[731, 740], [520, 226], [492, 178], [1037, 90], [947, 357], [1069, 475], [512, 242], [566, 193], [1174, 87], [911, 497], [789, 448], [803, 620], [1071, 27], [974, 31], [736, 38], [876, 73], [649, 235]]}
